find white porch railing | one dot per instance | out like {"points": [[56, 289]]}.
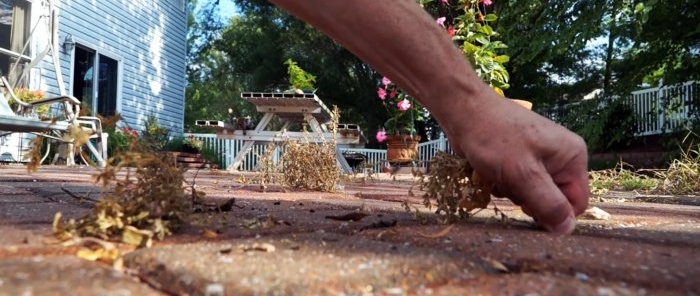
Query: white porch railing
{"points": [[665, 109], [657, 110], [227, 149]]}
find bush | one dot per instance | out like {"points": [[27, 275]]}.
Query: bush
{"points": [[119, 140], [155, 134], [603, 123]]}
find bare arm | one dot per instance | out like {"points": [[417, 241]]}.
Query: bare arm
{"points": [[539, 165]]}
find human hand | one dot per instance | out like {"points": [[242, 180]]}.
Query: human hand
{"points": [[538, 164]]}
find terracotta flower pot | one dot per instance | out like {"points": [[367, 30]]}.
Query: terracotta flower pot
{"points": [[402, 148]]}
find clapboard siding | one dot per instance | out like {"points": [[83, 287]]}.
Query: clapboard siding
{"points": [[124, 30]]}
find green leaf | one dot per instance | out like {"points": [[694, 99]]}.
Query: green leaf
{"points": [[499, 45], [490, 17], [501, 59], [486, 29], [483, 40]]}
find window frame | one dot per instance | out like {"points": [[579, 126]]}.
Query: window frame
{"points": [[24, 58], [97, 53]]}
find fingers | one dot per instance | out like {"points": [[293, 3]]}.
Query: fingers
{"points": [[542, 199], [572, 179]]}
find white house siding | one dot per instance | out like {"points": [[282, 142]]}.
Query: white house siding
{"points": [[146, 37]]}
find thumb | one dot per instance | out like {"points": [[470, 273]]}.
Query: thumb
{"points": [[542, 199]]}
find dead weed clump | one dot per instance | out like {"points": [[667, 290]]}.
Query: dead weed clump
{"points": [[310, 165], [269, 172], [683, 175], [143, 197], [455, 186]]}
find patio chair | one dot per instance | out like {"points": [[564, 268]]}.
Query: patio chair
{"points": [[56, 129]]}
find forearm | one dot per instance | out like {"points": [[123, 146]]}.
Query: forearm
{"points": [[393, 36]]}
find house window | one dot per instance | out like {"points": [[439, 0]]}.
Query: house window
{"points": [[14, 32], [95, 81]]}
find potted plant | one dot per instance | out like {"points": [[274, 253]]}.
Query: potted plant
{"points": [[300, 80], [191, 145], [399, 130]]}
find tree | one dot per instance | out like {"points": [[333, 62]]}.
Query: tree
{"points": [[257, 43], [548, 42], [211, 90], [665, 44]]}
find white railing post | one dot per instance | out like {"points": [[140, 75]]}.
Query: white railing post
{"points": [[443, 142], [661, 113]]}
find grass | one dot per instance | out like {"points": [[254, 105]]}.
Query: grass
{"points": [[681, 178], [683, 175]]}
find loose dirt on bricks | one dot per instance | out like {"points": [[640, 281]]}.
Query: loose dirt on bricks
{"points": [[358, 241]]}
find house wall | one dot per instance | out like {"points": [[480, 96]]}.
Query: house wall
{"points": [[146, 37]]}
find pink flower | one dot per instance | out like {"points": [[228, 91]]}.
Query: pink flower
{"points": [[381, 136], [392, 94], [381, 93], [403, 105], [443, 1], [386, 81], [451, 31], [441, 21], [487, 2]]}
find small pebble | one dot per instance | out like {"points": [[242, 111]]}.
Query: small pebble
{"points": [[214, 289]]}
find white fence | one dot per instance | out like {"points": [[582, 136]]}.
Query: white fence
{"points": [[227, 149], [665, 109], [657, 110]]}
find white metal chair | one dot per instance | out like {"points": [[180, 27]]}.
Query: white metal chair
{"points": [[56, 129]]}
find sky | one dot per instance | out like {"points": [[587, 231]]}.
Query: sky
{"points": [[227, 8]]}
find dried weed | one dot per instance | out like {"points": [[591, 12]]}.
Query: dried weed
{"points": [[683, 176], [305, 164], [454, 185], [143, 197]]}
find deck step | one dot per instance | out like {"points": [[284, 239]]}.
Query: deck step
{"points": [[192, 160]]}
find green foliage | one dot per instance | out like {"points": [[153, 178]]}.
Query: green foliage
{"points": [[212, 155], [664, 40], [212, 88], [298, 78], [470, 22], [262, 37], [155, 135], [603, 123], [119, 140], [192, 143], [621, 178], [547, 44]]}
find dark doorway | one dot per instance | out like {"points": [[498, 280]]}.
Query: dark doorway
{"points": [[82, 76], [95, 81]]}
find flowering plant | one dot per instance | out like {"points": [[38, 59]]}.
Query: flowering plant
{"points": [[403, 110], [469, 23], [28, 96]]}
